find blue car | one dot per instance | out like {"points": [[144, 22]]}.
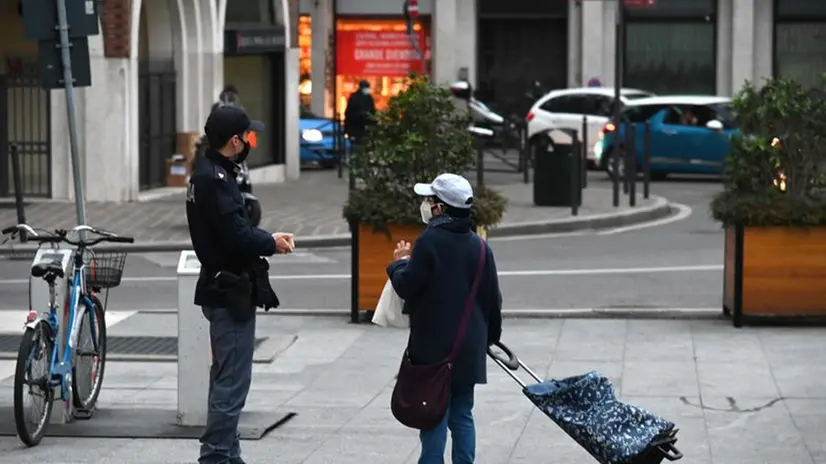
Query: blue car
{"points": [[317, 140], [689, 134]]}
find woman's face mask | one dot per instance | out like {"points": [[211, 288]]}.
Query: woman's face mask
{"points": [[365, 90], [426, 210]]}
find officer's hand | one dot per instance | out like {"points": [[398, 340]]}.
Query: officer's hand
{"points": [[284, 243], [402, 250]]}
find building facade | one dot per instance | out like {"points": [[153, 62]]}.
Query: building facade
{"points": [[671, 46], [157, 67]]}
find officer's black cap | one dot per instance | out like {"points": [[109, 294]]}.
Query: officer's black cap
{"points": [[226, 122]]}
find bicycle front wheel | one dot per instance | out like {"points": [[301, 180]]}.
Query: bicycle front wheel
{"points": [[90, 357], [32, 381]]}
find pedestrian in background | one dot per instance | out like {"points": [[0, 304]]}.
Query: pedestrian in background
{"points": [[233, 279], [434, 278], [360, 111]]}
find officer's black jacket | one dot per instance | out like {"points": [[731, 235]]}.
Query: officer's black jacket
{"points": [[221, 233]]}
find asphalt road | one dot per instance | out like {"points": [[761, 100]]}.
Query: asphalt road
{"points": [[677, 264]]}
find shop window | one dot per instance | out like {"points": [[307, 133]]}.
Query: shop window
{"points": [[800, 51], [305, 60], [250, 12], [378, 51], [671, 57], [676, 9], [800, 9]]}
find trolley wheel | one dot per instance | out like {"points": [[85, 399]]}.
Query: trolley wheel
{"points": [[36, 348], [89, 361]]}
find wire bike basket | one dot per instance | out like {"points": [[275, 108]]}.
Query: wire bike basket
{"points": [[104, 269]]}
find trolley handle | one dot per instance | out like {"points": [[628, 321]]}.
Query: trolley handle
{"points": [[511, 364]]}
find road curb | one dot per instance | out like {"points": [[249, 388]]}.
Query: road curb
{"points": [[659, 209], [588, 313]]}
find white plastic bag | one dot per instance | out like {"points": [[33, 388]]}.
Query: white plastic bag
{"points": [[389, 310]]}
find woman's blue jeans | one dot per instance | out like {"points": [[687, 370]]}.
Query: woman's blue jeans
{"points": [[459, 419]]}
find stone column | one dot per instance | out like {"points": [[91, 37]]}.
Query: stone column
{"points": [[291, 113], [322, 25], [594, 42], [724, 48], [466, 22], [575, 32], [444, 36], [742, 43]]}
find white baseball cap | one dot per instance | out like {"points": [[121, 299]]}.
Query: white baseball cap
{"points": [[452, 189]]}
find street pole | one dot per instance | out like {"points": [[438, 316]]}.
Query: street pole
{"points": [[68, 83], [618, 58]]}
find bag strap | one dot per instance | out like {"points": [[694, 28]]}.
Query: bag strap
{"points": [[471, 299]]}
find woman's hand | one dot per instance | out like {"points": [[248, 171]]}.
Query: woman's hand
{"points": [[402, 250]]}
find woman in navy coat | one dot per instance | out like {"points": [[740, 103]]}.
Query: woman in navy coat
{"points": [[434, 277]]}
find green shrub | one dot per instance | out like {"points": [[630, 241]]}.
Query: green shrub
{"points": [[775, 171], [420, 135]]}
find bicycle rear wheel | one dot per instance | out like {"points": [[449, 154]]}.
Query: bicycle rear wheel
{"points": [[32, 377], [89, 358]]}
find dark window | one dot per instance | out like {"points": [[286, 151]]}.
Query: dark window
{"points": [[676, 9], [671, 57], [566, 104], [641, 113], [725, 114], [689, 115], [250, 12], [800, 9], [599, 105], [522, 8], [800, 51], [635, 96]]}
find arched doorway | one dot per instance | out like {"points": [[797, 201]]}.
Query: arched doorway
{"points": [[157, 90]]}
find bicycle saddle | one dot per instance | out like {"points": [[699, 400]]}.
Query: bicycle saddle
{"points": [[48, 271]]}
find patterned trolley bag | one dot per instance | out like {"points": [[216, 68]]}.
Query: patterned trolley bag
{"points": [[586, 408]]}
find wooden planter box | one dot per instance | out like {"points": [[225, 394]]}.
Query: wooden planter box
{"points": [[774, 272], [375, 251]]}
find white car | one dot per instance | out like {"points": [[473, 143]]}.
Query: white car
{"points": [[563, 109]]}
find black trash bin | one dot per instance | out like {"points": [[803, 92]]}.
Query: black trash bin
{"points": [[556, 177]]}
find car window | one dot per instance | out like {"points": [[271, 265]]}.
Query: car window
{"points": [[640, 113], [636, 96], [689, 115], [599, 105], [565, 104], [725, 114]]}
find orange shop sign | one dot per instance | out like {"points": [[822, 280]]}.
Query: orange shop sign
{"points": [[377, 53]]}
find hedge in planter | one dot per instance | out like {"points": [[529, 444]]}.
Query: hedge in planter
{"points": [[420, 135], [774, 204]]}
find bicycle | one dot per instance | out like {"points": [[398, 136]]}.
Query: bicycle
{"points": [[85, 315]]}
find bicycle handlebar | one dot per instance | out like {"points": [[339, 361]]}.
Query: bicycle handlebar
{"points": [[62, 235]]}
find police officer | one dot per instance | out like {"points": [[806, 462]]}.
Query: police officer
{"points": [[228, 248]]}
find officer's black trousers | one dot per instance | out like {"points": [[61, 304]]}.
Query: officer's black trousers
{"points": [[232, 345]]}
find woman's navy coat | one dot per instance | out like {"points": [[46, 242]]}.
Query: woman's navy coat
{"points": [[435, 283]]}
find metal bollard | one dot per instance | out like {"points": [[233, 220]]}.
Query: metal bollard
{"points": [[626, 180], [584, 163], [480, 161], [354, 273], [351, 176], [615, 161], [339, 145], [525, 147], [646, 161], [576, 176], [631, 171]]}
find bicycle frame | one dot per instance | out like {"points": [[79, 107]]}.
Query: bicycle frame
{"points": [[61, 370]]}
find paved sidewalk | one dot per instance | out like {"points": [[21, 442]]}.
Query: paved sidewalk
{"points": [[739, 396], [311, 208]]}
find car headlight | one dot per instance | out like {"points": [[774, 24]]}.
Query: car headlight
{"points": [[598, 150], [311, 135]]}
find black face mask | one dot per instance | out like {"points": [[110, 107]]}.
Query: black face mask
{"points": [[244, 152]]}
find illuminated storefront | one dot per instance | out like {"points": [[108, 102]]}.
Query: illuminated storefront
{"points": [[305, 42], [380, 52], [376, 50]]}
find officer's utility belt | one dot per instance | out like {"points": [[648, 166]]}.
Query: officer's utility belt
{"points": [[236, 289]]}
